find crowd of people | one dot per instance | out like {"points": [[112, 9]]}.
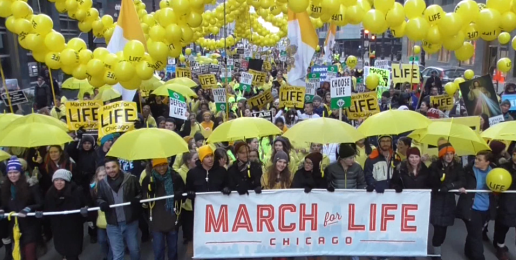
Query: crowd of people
{"points": [[79, 175]]}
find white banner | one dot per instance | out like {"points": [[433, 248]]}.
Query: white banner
{"points": [[291, 223]]}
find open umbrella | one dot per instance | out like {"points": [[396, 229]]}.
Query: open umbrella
{"points": [[505, 131], [148, 143], [4, 156], [73, 83], [243, 128], [35, 118], [323, 130], [393, 122], [461, 137], [181, 89], [107, 94], [33, 135], [7, 118], [183, 81]]}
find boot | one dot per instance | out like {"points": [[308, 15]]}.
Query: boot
{"points": [[501, 253], [8, 251], [437, 251]]}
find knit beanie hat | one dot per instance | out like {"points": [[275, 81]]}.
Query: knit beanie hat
{"points": [[317, 98], [106, 139], [281, 156], [316, 159], [14, 164], [497, 147], [62, 174], [413, 151], [204, 151], [380, 137], [506, 102], [88, 138], [159, 161], [444, 149], [198, 137], [346, 150]]}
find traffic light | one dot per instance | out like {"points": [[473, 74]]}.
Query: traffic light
{"points": [[362, 34], [373, 38], [366, 34]]}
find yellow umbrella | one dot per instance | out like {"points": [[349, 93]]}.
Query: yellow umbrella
{"points": [[73, 83], [33, 135], [181, 89], [148, 143], [503, 131], [36, 118], [393, 122], [463, 139], [151, 84], [323, 130], [108, 94], [243, 128], [7, 118], [16, 236], [4, 156], [183, 81]]}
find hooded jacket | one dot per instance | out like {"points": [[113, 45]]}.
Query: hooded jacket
{"points": [[378, 171], [248, 179], [132, 191], [85, 160], [199, 179]]}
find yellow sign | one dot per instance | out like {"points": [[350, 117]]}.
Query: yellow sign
{"points": [[258, 77], [267, 66], [443, 102], [292, 97], [117, 117], [183, 73], [407, 73], [363, 105], [82, 114], [208, 81], [261, 100]]}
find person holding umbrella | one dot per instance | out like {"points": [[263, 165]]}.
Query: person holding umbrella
{"points": [[244, 175]]}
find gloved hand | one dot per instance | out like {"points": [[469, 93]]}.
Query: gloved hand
{"points": [[226, 191], [23, 213], [178, 196], [379, 189], [258, 190], [308, 189], [39, 214], [330, 188], [135, 202], [80, 132], [443, 189], [370, 188], [398, 189], [241, 189], [190, 195], [32, 181], [84, 212], [104, 206]]}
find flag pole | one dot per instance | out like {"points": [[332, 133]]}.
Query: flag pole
{"points": [[5, 86], [52, 85]]}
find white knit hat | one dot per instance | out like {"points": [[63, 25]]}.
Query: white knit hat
{"points": [[62, 174]]}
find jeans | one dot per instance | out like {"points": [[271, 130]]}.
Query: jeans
{"points": [[474, 247], [117, 235], [161, 241], [102, 239]]}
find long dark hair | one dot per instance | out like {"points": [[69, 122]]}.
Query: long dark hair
{"points": [[284, 176], [486, 122], [22, 190], [63, 159]]}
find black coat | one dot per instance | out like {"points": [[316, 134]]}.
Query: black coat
{"points": [[303, 179], [200, 180], [506, 213], [246, 180], [404, 179], [442, 209], [465, 203], [67, 229], [85, 162]]}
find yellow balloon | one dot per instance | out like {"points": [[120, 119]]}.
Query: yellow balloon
{"points": [[35, 42], [416, 28], [499, 180], [42, 24], [109, 77], [434, 14], [331, 6], [399, 31], [374, 21], [39, 56], [124, 70], [194, 19], [383, 5], [95, 67], [157, 33], [455, 42], [5, 8], [501, 6], [513, 43], [107, 20], [339, 18], [433, 35], [182, 58], [134, 51], [188, 51], [22, 40], [76, 44], [508, 21], [504, 64], [22, 26], [144, 70], [504, 38], [81, 14], [100, 52], [365, 4], [450, 88], [488, 20], [166, 17], [97, 81], [10, 24], [180, 7], [61, 7], [80, 72], [450, 24], [71, 5], [298, 6], [21, 9], [53, 60], [158, 50], [173, 32], [174, 49], [469, 74], [85, 56], [69, 57], [187, 33], [396, 15], [459, 80], [417, 49], [132, 84], [84, 26], [354, 14], [414, 8], [468, 10], [110, 60], [465, 52], [471, 32], [490, 36], [372, 81], [55, 41], [351, 61]]}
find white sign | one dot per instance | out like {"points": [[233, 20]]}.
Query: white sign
{"points": [[311, 87], [230, 62], [178, 107], [382, 64], [340, 91], [246, 79], [383, 74], [248, 53], [219, 94], [291, 223], [496, 120]]}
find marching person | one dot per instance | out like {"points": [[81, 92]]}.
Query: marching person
{"points": [[345, 173], [411, 173], [278, 175], [244, 175], [380, 165], [306, 177]]}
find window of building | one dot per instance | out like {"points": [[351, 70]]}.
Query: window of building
{"points": [[444, 55], [471, 61]]}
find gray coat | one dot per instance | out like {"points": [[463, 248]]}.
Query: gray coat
{"points": [[353, 178]]}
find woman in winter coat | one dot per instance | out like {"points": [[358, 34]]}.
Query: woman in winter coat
{"points": [[278, 175], [282, 144], [55, 159], [446, 174], [18, 196], [411, 173], [243, 174], [306, 177], [67, 229]]}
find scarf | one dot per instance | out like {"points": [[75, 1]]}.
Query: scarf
{"points": [[169, 187], [244, 167], [13, 192]]}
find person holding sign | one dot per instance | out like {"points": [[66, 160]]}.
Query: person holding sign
{"points": [[243, 174]]}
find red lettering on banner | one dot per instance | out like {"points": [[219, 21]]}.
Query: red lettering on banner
{"points": [[405, 218], [286, 241], [321, 240], [282, 227], [335, 240], [221, 222], [351, 220], [372, 219], [272, 241], [265, 219], [308, 241], [242, 214], [303, 217], [330, 219], [386, 216]]}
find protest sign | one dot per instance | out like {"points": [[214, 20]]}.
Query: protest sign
{"points": [[183, 73], [291, 223], [363, 105], [82, 114], [267, 66], [332, 72], [314, 77], [17, 97], [208, 81], [177, 105], [382, 64], [340, 92], [323, 71], [214, 69], [117, 117], [219, 94], [512, 99], [246, 81], [265, 114], [480, 98], [226, 74], [384, 76], [443, 102], [261, 100], [244, 64], [290, 96], [405, 73], [230, 62], [258, 77], [311, 88]]}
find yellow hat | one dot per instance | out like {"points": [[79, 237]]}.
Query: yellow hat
{"points": [[204, 151], [159, 161]]}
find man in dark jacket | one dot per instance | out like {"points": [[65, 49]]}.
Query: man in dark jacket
{"points": [[475, 208], [163, 218], [379, 166], [244, 175], [433, 81], [42, 94], [122, 222], [83, 153], [345, 173]]}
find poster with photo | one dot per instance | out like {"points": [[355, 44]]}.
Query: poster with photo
{"points": [[480, 98]]}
